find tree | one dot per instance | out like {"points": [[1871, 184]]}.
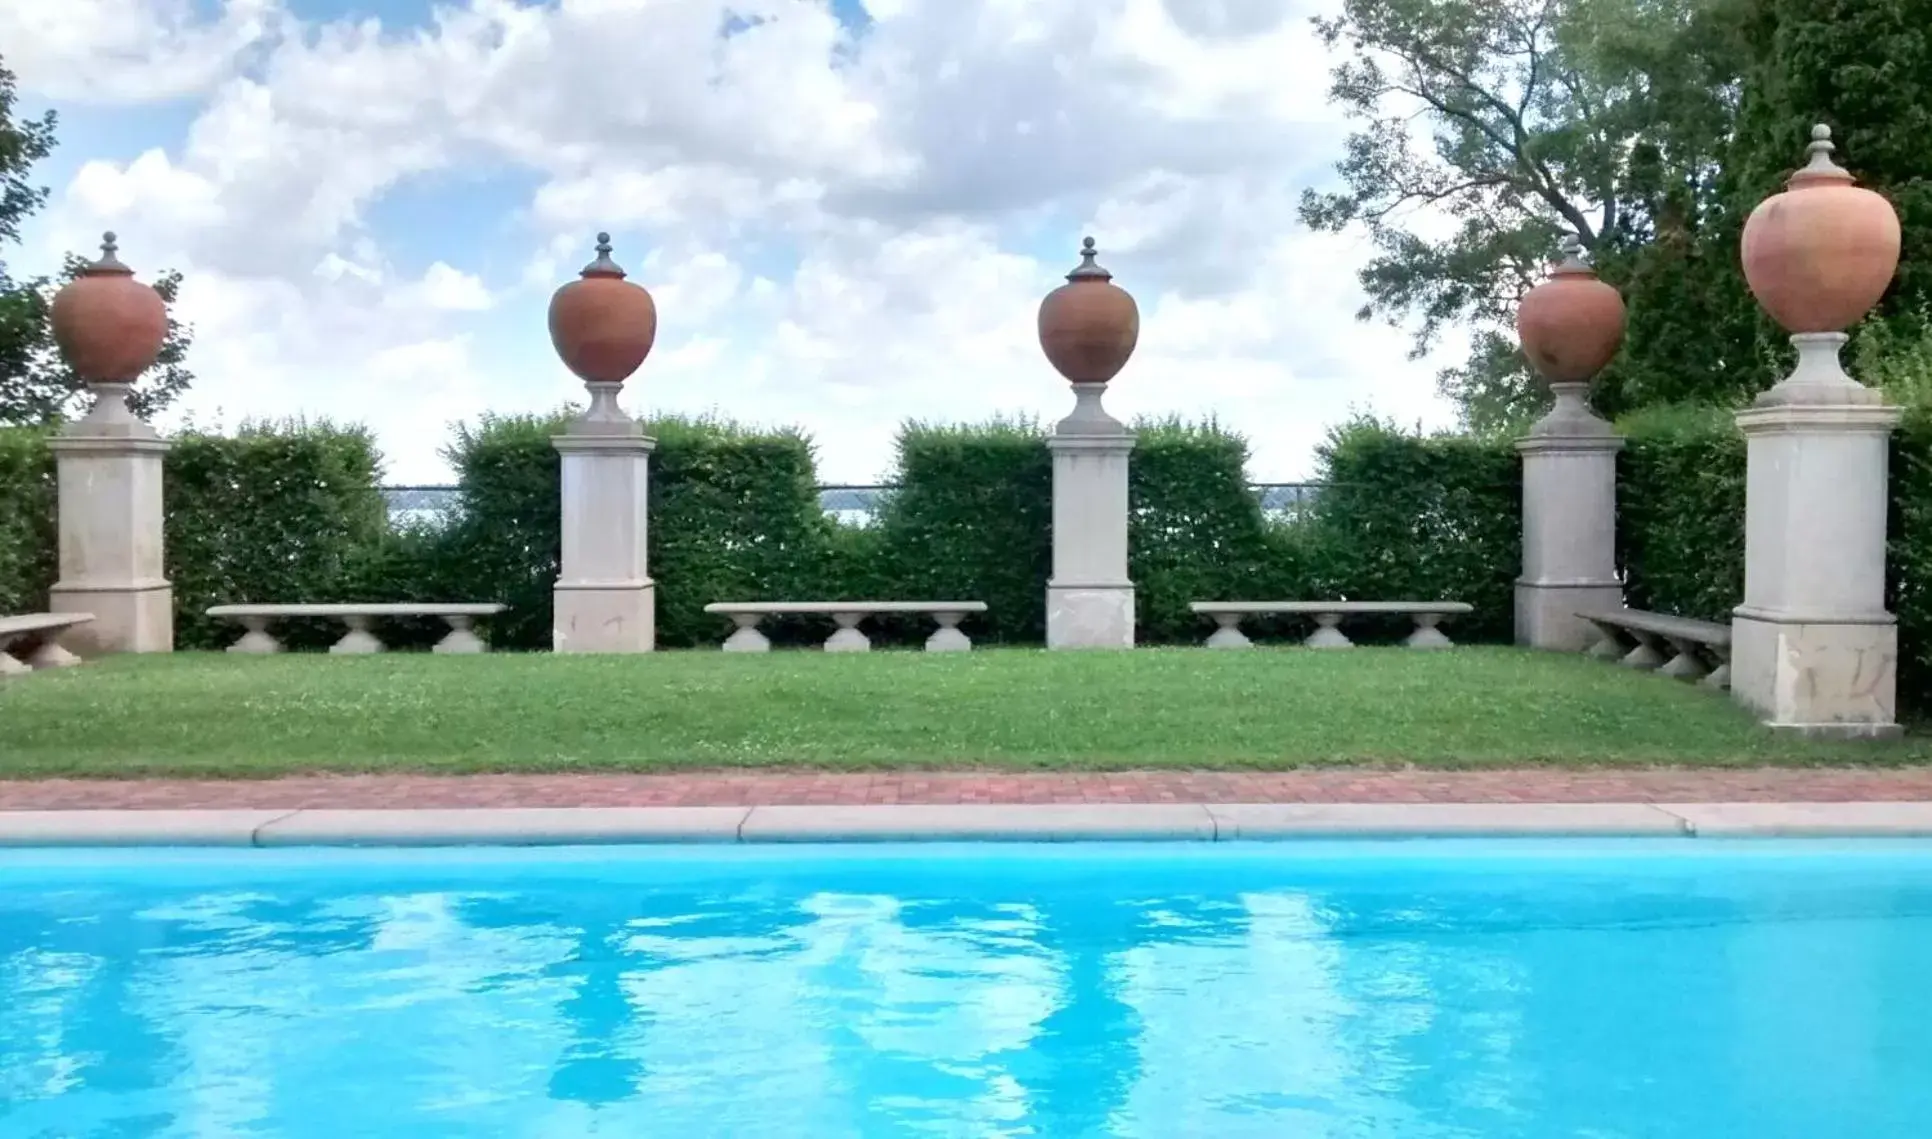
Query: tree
{"points": [[1604, 118], [35, 385], [1864, 68]]}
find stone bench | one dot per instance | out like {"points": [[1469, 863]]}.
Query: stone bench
{"points": [[1685, 639], [358, 617], [846, 615], [38, 636], [1328, 614]]}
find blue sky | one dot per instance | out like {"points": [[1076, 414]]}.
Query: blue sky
{"points": [[848, 211]]}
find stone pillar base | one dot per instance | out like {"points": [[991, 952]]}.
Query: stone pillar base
{"points": [[1836, 679], [127, 619], [1546, 613], [1090, 617], [604, 618]]}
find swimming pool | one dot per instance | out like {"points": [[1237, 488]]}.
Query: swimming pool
{"points": [[1419, 989]]}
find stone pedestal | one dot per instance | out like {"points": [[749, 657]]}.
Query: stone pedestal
{"points": [[1090, 601], [1812, 646], [605, 601], [1569, 524], [111, 530]]}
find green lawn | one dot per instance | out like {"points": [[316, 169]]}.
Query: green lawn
{"points": [[212, 714]]}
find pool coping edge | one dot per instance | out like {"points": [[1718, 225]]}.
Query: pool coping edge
{"points": [[981, 822]]}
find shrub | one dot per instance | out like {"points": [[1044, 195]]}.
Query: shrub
{"points": [[1411, 517], [1680, 512], [734, 516], [27, 520], [1197, 532], [275, 513], [970, 518]]}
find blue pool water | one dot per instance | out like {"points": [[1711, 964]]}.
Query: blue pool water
{"points": [[1418, 990]]}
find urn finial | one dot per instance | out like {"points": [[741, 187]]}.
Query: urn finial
{"points": [[108, 326], [1089, 326], [602, 325], [1821, 252], [603, 266], [1089, 269], [107, 264]]}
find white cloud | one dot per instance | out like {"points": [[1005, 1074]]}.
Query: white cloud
{"points": [[841, 230], [129, 50]]}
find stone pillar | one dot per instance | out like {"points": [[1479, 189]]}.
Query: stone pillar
{"points": [[1090, 601], [1088, 329], [1569, 524], [603, 327], [605, 600], [109, 328], [1570, 326], [1813, 649], [111, 530]]}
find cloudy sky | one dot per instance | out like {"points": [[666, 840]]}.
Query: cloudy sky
{"points": [[847, 210]]}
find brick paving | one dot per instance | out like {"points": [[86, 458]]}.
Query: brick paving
{"points": [[710, 788]]}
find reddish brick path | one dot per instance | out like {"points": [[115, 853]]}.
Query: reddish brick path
{"points": [[771, 788]]}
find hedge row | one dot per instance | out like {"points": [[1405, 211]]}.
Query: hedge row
{"points": [[291, 513], [1680, 490]]}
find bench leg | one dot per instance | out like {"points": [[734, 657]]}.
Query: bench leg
{"points": [[50, 654], [847, 639], [1720, 677], [10, 666], [1228, 634], [948, 638], [746, 638], [256, 639], [1326, 635], [1684, 665], [1645, 655], [358, 639], [462, 638], [1426, 635], [1608, 645]]}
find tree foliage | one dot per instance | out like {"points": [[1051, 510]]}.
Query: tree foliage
{"points": [[1490, 127], [36, 386]]}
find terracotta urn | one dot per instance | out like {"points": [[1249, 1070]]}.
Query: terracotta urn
{"points": [[1089, 326], [602, 325], [1820, 254], [1570, 325], [109, 326]]}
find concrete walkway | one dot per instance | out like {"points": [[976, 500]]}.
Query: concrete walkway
{"points": [[1043, 822], [795, 806], [808, 788]]}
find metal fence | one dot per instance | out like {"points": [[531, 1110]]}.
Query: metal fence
{"points": [[852, 505]]}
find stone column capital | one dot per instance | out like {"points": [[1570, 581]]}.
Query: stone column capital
{"points": [[571, 443], [1570, 444], [109, 446], [1819, 418], [1119, 444]]}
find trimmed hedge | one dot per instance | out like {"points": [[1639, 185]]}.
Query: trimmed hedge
{"points": [[1680, 527], [1420, 518], [1680, 512], [291, 512], [734, 516], [28, 537], [970, 518], [274, 513]]}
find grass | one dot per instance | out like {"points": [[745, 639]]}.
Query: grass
{"points": [[217, 715]]}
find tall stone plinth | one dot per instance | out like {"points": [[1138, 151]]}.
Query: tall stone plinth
{"points": [[109, 471], [1812, 646], [1090, 601], [605, 601], [1569, 524]]}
